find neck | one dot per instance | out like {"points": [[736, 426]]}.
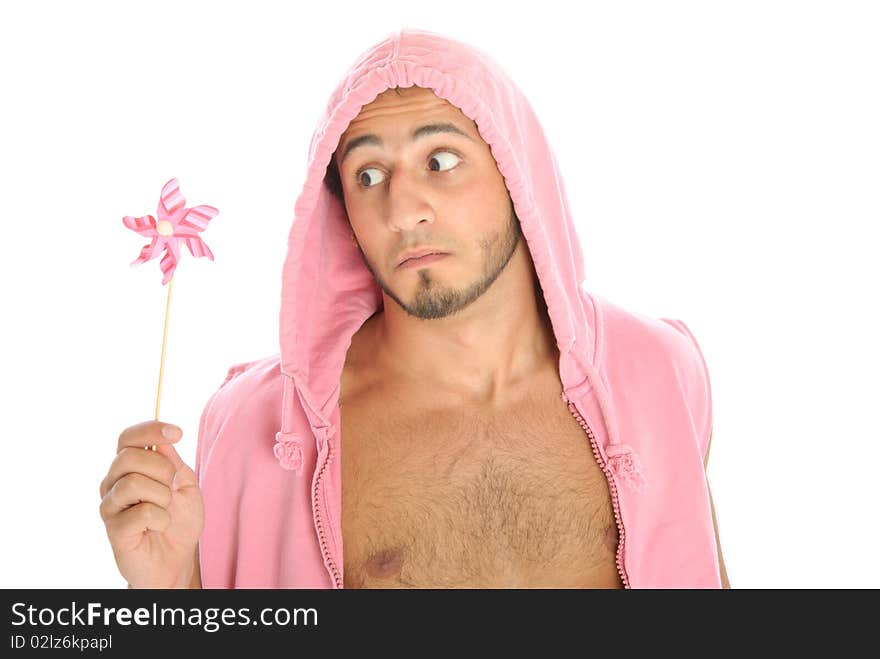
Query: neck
{"points": [[485, 354]]}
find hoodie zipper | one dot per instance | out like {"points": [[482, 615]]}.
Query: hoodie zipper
{"points": [[611, 486], [328, 560]]}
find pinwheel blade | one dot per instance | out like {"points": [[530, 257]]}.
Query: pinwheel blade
{"points": [[195, 220], [169, 261], [198, 247], [148, 252], [146, 225], [171, 200]]}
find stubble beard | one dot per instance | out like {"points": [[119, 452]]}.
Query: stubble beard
{"points": [[434, 300]]}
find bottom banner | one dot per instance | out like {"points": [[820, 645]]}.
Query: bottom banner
{"points": [[124, 621]]}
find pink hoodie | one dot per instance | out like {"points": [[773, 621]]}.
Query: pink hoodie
{"points": [[268, 446]]}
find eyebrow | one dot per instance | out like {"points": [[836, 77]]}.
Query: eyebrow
{"points": [[421, 131]]}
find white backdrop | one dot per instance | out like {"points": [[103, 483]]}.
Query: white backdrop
{"points": [[721, 160]]}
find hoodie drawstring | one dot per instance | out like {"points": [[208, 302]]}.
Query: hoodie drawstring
{"points": [[288, 446]]}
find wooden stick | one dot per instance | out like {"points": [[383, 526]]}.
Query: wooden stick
{"points": [[162, 360]]}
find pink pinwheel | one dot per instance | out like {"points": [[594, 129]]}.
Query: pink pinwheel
{"points": [[176, 224]]}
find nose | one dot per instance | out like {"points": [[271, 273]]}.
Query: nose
{"points": [[408, 205]]}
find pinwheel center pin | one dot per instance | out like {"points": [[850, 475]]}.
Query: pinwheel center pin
{"points": [[164, 228]]}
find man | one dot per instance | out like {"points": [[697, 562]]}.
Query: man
{"points": [[455, 411]]}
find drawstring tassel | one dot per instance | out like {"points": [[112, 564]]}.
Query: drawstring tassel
{"points": [[624, 463], [288, 450]]}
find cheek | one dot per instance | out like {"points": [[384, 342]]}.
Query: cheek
{"points": [[374, 250], [477, 208], [484, 189]]}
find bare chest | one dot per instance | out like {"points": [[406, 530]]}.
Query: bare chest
{"points": [[451, 498]]}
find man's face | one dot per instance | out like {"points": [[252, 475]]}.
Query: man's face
{"points": [[440, 191]]}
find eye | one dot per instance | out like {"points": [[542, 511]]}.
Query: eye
{"points": [[435, 158], [361, 175], [366, 180]]}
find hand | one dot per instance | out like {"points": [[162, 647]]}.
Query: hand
{"points": [[152, 509]]}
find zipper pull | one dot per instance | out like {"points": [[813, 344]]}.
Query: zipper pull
{"points": [[625, 464], [322, 433]]}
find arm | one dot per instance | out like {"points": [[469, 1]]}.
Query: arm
{"points": [[725, 583]]}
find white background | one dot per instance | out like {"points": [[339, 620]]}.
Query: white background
{"points": [[721, 160]]}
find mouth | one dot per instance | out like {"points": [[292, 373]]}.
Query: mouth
{"points": [[421, 261]]}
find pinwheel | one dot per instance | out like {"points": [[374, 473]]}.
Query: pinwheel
{"points": [[176, 225]]}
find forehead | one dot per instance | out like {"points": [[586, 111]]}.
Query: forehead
{"points": [[406, 104], [404, 98]]}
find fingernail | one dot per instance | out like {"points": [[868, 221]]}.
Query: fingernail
{"points": [[171, 432]]}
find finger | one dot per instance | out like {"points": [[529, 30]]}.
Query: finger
{"points": [[131, 460], [170, 452], [185, 477], [148, 433], [132, 489], [131, 523]]}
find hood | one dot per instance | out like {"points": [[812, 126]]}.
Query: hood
{"points": [[327, 291]]}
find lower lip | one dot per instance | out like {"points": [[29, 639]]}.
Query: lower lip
{"points": [[424, 260]]}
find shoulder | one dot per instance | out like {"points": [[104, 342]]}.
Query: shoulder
{"points": [[625, 334], [641, 346], [246, 407], [250, 381]]}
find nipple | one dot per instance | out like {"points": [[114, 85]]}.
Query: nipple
{"points": [[385, 564], [611, 538]]}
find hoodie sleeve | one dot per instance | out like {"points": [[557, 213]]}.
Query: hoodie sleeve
{"points": [[699, 389]]}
